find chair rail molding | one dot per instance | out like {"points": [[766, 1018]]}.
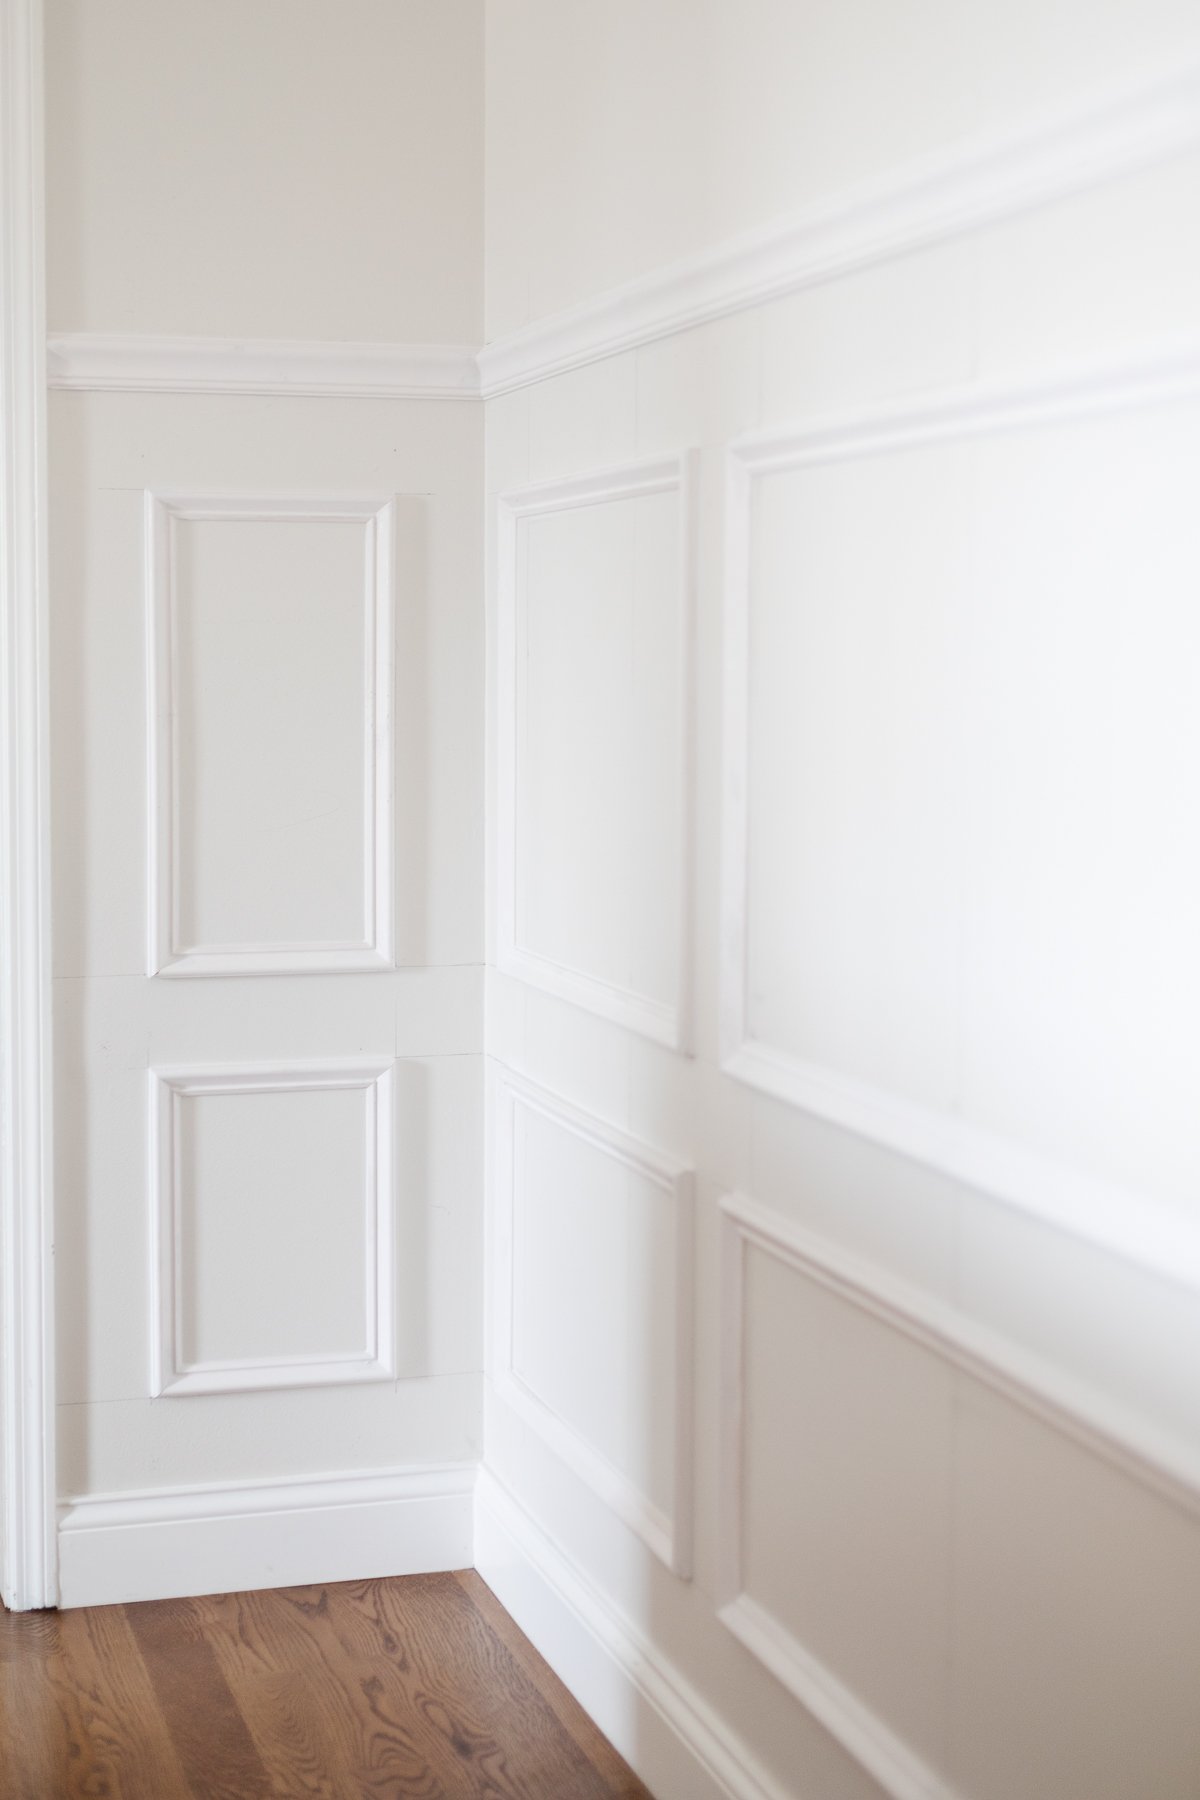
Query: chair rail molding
{"points": [[667, 1534], [166, 956], [126, 362], [375, 1360], [28, 1546], [932, 199], [667, 1023], [1149, 1234]]}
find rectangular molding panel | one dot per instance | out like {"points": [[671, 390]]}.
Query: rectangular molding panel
{"points": [[595, 742], [905, 820], [604, 1272], [244, 1161], [270, 770], [929, 1346], [841, 1464]]}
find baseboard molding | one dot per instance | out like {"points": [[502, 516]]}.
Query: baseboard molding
{"points": [[929, 201], [664, 1729], [139, 363], [214, 1540]]}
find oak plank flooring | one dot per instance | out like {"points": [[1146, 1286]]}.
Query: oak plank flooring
{"points": [[380, 1750], [623, 1783], [64, 1711], [416, 1688], [202, 1715]]}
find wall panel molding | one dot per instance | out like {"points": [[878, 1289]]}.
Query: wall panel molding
{"points": [[1119, 1438], [668, 1535], [1149, 1234], [170, 1373], [165, 955], [931, 200], [108, 362], [668, 1024], [162, 1543]]}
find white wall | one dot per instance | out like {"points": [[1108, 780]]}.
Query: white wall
{"points": [[678, 123], [288, 169], [267, 721], [942, 875]]}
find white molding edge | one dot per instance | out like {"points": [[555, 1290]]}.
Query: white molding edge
{"points": [[667, 1535], [931, 200], [1144, 1232], [100, 362], [165, 956], [165, 1543], [672, 1737], [670, 1024], [1078, 1411], [170, 1375], [28, 1551]]}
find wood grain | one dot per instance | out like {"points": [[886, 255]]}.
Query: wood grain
{"points": [[419, 1688], [623, 1783], [202, 1716]]}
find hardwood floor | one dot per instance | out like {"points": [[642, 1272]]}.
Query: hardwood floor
{"points": [[371, 1690]]}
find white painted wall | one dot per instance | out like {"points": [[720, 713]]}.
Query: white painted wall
{"points": [[267, 665], [938, 1120], [732, 115], [288, 169]]}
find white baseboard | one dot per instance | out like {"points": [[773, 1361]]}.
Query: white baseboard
{"points": [[216, 1540], [663, 1728]]}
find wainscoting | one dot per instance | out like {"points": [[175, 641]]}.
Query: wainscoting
{"points": [[671, 1087]]}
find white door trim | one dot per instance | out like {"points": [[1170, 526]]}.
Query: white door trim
{"points": [[28, 1536]]}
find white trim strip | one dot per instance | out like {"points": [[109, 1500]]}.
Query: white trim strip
{"points": [[28, 1569], [931, 200], [135, 363]]}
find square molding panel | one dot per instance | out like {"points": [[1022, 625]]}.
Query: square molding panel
{"points": [[594, 746], [270, 660], [271, 1226]]}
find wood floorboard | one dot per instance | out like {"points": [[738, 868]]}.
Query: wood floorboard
{"points": [[101, 1666], [490, 1722], [623, 1784], [202, 1716], [418, 1688]]}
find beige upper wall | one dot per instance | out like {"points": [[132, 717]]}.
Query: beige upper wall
{"points": [[266, 168], [624, 135]]}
